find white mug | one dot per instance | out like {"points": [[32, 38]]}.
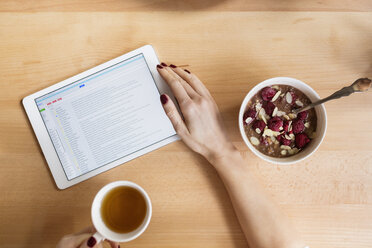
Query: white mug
{"points": [[103, 232]]}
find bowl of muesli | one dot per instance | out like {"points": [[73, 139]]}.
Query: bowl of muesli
{"points": [[271, 129]]}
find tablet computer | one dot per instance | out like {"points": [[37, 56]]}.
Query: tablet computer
{"points": [[101, 118]]}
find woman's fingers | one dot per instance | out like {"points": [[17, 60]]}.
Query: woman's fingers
{"points": [[89, 242], [192, 80], [177, 122], [175, 85], [172, 113], [73, 240], [190, 91], [113, 244], [84, 239]]}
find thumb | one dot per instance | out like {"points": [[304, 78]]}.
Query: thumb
{"points": [[89, 243], [177, 122], [173, 115]]}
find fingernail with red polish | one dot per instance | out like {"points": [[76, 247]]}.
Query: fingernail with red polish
{"points": [[159, 66], [163, 64], [173, 66], [163, 99], [91, 242], [187, 71]]}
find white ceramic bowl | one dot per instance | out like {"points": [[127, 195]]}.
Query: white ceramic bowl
{"points": [[320, 113]]}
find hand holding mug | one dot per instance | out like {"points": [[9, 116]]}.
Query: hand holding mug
{"points": [[121, 212], [83, 239]]}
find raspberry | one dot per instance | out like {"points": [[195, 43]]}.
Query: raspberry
{"points": [[302, 115], [294, 97], [275, 123], [269, 107], [283, 140], [259, 124], [268, 93], [302, 140], [286, 142], [298, 126], [249, 113]]}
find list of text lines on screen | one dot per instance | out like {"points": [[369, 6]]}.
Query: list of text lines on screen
{"points": [[104, 117]]}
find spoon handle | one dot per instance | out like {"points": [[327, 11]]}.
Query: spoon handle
{"points": [[345, 91]]}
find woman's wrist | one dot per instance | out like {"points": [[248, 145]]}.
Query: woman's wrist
{"points": [[223, 157]]}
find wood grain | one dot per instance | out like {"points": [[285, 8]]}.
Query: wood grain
{"points": [[185, 5], [328, 196]]}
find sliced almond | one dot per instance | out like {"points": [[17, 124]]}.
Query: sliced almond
{"points": [[258, 130], [292, 136], [289, 125], [295, 150], [248, 120], [273, 139], [268, 132], [258, 107], [276, 142], [285, 147], [286, 117], [276, 133], [254, 141], [299, 103], [275, 87], [283, 152], [291, 152], [287, 137], [307, 124], [282, 95], [292, 115], [276, 96], [262, 114], [264, 119], [280, 128], [288, 97], [280, 113], [275, 111]]}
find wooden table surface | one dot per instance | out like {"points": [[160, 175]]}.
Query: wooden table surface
{"points": [[231, 45]]}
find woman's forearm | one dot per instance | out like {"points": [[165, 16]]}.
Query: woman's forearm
{"points": [[260, 218], [202, 129]]}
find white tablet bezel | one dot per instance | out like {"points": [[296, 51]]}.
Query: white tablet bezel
{"points": [[43, 137]]}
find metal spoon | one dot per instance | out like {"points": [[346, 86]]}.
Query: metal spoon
{"points": [[360, 85]]}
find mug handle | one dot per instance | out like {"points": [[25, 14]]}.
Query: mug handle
{"points": [[98, 237]]}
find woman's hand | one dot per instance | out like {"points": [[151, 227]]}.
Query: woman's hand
{"points": [[203, 131], [83, 239], [202, 128]]}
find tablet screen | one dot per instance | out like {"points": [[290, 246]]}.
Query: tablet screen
{"points": [[105, 116]]}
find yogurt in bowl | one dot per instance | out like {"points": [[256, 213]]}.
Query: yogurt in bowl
{"points": [[270, 129]]}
